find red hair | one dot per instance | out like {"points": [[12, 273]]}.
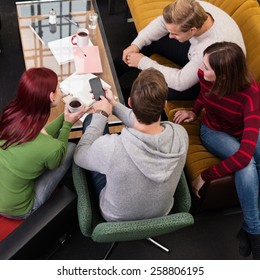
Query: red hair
{"points": [[25, 116]]}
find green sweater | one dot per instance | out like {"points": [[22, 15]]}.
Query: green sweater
{"points": [[20, 165]]}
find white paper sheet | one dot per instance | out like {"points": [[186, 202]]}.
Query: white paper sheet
{"points": [[62, 50], [77, 85]]}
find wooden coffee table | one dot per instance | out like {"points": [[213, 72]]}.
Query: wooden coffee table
{"points": [[36, 54]]}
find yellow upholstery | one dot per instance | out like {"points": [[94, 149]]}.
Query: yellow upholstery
{"points": [[144, 11], [247, 15]]}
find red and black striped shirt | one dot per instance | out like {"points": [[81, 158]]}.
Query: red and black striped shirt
{"points": [[238, 115]]}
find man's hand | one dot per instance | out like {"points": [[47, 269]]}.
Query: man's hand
{"points": [[110, 96], [103, 105], [133, 59], [184, 115], [128, 50]]}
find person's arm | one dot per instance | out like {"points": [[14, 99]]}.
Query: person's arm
{"points": [[91, 149], [178, 79], [189, 116], [152, 32], [54, 126], [56, 155], [125, 114], [94, 149], [155, 30], [60, 130], [61, 126], [243, 156], [198, 105]]}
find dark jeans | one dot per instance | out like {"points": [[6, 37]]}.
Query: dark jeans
{"points": [[169, 48], [95, 179]]}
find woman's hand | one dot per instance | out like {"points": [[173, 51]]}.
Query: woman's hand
{"points": [[184, 116], [73, 117], [131, 49], [197, 185]]}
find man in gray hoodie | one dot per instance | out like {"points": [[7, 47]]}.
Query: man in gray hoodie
{"points": [[135, 173]]}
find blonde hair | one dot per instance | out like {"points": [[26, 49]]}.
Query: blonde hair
{"points": [[186, 14]]}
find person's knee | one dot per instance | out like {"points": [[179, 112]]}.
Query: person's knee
{"points": [[71, 148], [86, 122]]}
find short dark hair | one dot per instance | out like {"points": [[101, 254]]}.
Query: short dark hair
{"points": [[228, 61], [148, 95]]}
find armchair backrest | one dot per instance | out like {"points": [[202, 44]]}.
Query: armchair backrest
{"points": [[182, 198], [83, 205], [88, 208]]}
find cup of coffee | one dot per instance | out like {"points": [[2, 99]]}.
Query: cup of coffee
{"points": [[81, 38], [75, 104]]}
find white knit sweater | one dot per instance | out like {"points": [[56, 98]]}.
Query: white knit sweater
{"points": [[223, 29]]}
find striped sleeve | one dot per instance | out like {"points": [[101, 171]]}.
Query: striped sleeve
{"points": [[250, 134]]}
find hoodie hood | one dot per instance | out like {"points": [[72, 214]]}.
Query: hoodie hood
{"points": [[160, 152]]}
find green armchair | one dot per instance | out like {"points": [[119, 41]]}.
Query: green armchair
{"points": [[93, 225]]}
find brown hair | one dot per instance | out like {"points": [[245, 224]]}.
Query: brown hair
{"points": [[228, 62], [148, 95], [186, 14]]}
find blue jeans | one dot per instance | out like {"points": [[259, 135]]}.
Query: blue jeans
{"points": [[247, 180], [95, 179], [45, 184]]}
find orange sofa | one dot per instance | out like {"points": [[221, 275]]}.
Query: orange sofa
{"points": [[220, 193]]}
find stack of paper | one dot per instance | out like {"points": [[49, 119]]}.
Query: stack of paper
{"points": [[77, 85], [62, 50]]}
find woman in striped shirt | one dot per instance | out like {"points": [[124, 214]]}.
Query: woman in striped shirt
{"points": [[230, 98]]}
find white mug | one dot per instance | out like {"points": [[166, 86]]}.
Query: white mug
{"points": [[75, 104], [81, 38]]}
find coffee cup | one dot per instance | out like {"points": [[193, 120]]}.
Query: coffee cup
{"points": [[75, 104], [81, 38]]}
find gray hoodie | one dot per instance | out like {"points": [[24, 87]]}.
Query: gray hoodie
{"points": [[142, 170]]}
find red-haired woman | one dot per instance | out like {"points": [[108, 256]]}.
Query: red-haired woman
{"points": [[33, 156]]}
